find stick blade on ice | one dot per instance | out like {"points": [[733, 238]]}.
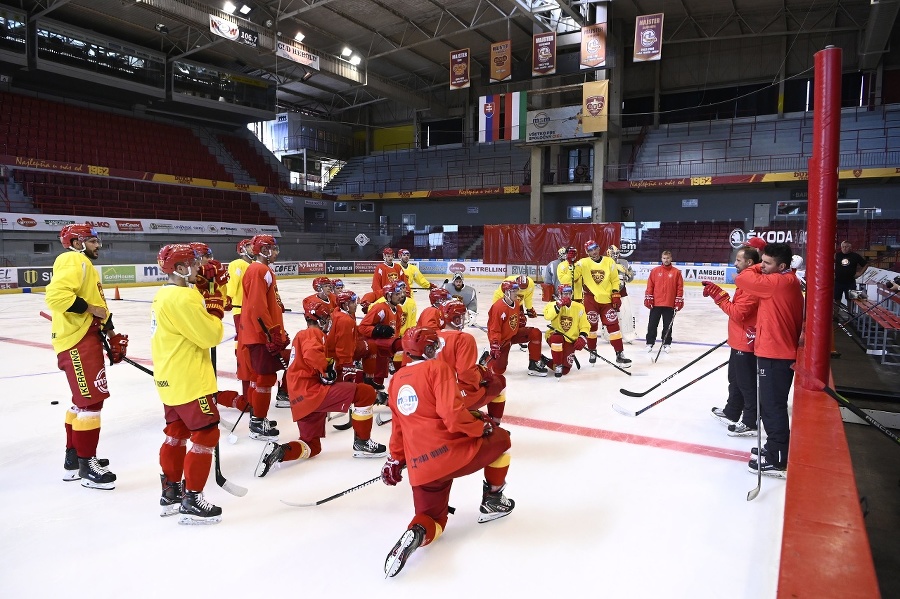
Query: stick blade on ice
{"points": [[623, 411]]}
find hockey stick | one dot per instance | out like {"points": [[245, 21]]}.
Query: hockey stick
{"points": [[107, 350], [382, 421], [632, 413], [665, 334], [753, 493], [479, 327], [613, 364], [335, 496], [683, 368], [844, 402], [269, 337], [230, 487], [346, 425]]}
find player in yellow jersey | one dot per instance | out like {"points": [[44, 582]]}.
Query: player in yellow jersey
{"points": [[81, 326], [413, 274], [184, 326], [567, 329]]}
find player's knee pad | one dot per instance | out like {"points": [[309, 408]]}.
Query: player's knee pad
{"points": [[556, 347], [177, 430], [206, 437], [265, 382], [361, 412], [534, 335], [364, 396]]}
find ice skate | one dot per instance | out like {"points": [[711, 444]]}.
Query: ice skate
{"points": [[494, 504], [368, 449], [537, 368], [197, 510], [262, 429], [172, 495], [281, 398], [408, 542], [70, 465], [719, 414], [271, 454], [767, 468], [667, 349], [558, 371], [739, 429], [95, 476], [622, 361], [650, 348]]}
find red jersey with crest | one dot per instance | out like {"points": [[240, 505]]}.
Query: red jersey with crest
{"points": [[331, 301], [261, 300], [307, 361], [340, 344], [431, 317], [385, 274], [432, 430], [379, 313], [503, 321]]}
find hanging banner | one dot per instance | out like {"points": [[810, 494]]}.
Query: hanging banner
{"points": [[593, 46], [459, 69], [543, 57], [501, 61], [297, 54], [648, 31], [595, 106], [233, 32]]}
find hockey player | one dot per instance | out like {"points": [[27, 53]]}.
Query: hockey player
{"points": [[626, 312], [432, 317], [464, 293], [385, 273], [184, 325], [262, 302], [344, 344], [664, 297], [234, 292], [81, 326], [412, 272], [550, 271], [379, 329], [568, 329], [526, 293], [478, 385], [599, 279], [506, 325], [324, 290], [315, 391], [739, 414], [569, 273], [338, 285], [406, 309], [430, 419]]}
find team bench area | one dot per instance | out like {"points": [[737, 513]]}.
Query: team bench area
{"points": [[877, 325]]}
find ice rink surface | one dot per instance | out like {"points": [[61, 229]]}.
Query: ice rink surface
{"points": [[606, 505]]}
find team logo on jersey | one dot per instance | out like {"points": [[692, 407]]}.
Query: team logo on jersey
{"points": [[392, 276], [751, 334], [407, 400], [402, 319], [593, 317], [565, 322], [611, 316], [514, 322], [598, 276], [100, 381]]}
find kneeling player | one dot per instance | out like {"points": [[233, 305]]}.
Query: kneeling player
{"points": [[506, 325], [430, 419], [568, 329], [314, 392]]}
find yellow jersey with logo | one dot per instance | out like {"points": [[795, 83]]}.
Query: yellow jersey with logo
{"points": [[74, 276], [600, 278], [181, 335], [234, 289], [571, 320]]}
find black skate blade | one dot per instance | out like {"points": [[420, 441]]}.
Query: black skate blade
{"points": [[623, 411]]}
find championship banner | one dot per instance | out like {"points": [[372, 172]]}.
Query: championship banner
{"points": [[459, 69], [648, 37], [543, 57], [593, 46], [595, 106], [501, 61]]}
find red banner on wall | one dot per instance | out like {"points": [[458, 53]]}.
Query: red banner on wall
{"points": [[538, 244]]}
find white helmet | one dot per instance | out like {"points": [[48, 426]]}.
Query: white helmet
{"points": [[796, 262], [613, 252]]}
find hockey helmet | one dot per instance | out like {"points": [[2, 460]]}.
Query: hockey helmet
{"points": [[507, 286], [243, 247], [420, 342], [561, 252], [202, 249], [262, 241], [757, 242], [453, 309], [170, 256], [403, 254], [70, 233], [522, 281], [345, 297], [395, 287], [613, 252], [590, 246], [796, 262], [564, 289], [337, 284], [387, 252], [316, 309], [319, 282], [438, 295]]}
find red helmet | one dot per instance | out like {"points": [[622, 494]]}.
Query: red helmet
{"points": [[522, 281], [316, 309], [338, 284], [564, 288], [319, 282], [395, 287], [345, 297], [452, 309], [387, 252], [170, 256], [403, 253], [509, 286], [591, 245], [69, 233], [418, 339], [261, 241], [438, 295], [242, 247], [202, 249]]}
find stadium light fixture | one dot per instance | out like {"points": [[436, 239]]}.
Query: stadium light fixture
{"points": [[346, 52], [229, 8]]}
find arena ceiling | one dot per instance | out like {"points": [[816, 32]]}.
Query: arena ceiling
{"points": [[405, 44]]}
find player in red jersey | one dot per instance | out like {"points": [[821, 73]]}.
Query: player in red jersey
{"points": [[438, 439], [380, 328], [506, 320], [432, 316]]}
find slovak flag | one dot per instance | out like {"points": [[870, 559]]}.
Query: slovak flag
{"points": [[488, 118]]}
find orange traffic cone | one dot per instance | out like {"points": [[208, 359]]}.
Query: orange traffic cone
{"points": [[117, 296]]}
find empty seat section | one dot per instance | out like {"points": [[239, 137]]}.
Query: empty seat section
{"points": [[255, 165]]}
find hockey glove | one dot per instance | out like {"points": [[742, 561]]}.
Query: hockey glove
{"points": [[679, 303], [118, 348], [214, 303], [382, 331], [563, 302], [228, 306], [531, 313], [433, 286], [712, 290], [495, 351], [328, 377], [392, 472], [278, 340], [648, 301], [616, 300], [581, 342]]}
